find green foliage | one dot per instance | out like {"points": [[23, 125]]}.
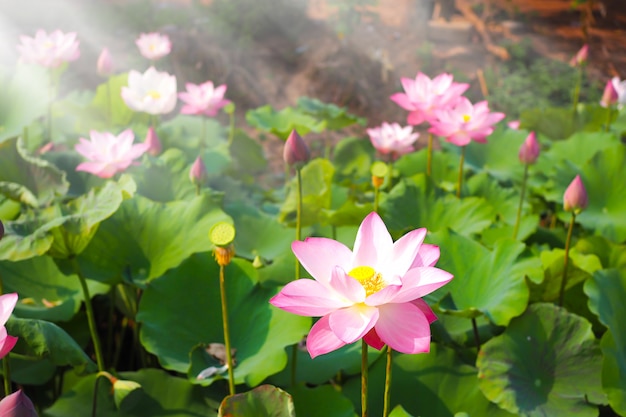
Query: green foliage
{"points": [[263, 401]]}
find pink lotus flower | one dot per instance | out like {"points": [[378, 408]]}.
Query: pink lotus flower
{"points": [[372, 292], [529, 151], [17, 405], [198, 173], [153, 144], [154, 45], [7, 304], [152, 92], [514, 124], [424, 96], [575, 197], [295, 151], [581, 57], [465, 122], [108, 154], [393, 139], [203, 99], [49, 50], [105, 63], [610, 94], [620, 87]]}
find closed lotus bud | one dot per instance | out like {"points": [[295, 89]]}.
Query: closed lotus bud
{"points": [[153, 142], [609, 96], [105, 63], [296, 153], [17, 405], [529, 152], [581, 56], [198, 174], [575, 197], [1, 230]]}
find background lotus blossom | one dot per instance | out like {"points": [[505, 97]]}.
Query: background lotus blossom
{"points": [[575, 198], [49, 50], [7, 304], [609, 95], [529, 151], [620, 88], [109, 154], [580, 57], [423, 96], [465, 122], [296, 151], [17, 405], [393, 139], [372, 292], [153, 45], [203, 99], [104, 65], [152, 92]]}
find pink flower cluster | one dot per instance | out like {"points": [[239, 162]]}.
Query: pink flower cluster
{"points": [[49, 50]]}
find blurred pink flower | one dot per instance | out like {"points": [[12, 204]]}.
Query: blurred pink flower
{"points": [[295, 151], [49, 50], [620, 87], [108, 154], [152, 142], [154, 45], [152, 92], [372, 292], [423, 96], [393, 139], [198, 173], [7, 304], [581, 56], [514, 124], [575, 198], [203, 99], [17, 405], [465, 122], [105, 63], [610, 94], [529, 151]]}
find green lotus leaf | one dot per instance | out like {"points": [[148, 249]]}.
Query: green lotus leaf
{"points": [[444, 169], [546, 363], [108, 103], [611, 255], [162, 395], [248, 156], [259, 332], [554, 122], [352, 160], [432, 384], [166, 178], [281, 123], [321, 401], [488, 281], [607, 292], [336, 118], [263, 401], [143, 239], [579, 148], [191, 133], [399, 411]]}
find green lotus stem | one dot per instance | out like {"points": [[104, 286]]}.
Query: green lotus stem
{"points": [[376, 198], [229, 356], [294, 356], [429, 155], [231, 130], [90, 316], [579, 79], [566, 262], [460, 180], [364, 377], [387, 400], [609, 113], [476, 335], [521, 202], [109, 107]]}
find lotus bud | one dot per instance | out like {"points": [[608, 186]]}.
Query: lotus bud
{"points": [[17, 405], [153, 142], [529, 152], [124, 393], [575, 197], [105, 63], [296, 153], [198, 173], [1, 230], [610, 95], [581, 57]]}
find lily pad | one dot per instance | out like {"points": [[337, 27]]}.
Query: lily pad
{"points": [[263, 401], [282, 122], [336, 118]]}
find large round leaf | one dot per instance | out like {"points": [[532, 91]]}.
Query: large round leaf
{"points": [[263, 401], [320, 401], [607, 292], [546, 363], [259, 332]]}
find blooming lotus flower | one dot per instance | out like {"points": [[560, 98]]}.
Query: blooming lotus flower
{"points": [[7, 304], [575, 197], [152, 92], [198, 173], [105, 63], [529, 151], [372, 292], [581, 56], [620, 87], [49, 50], [154, 45], [393, 139], [610, 94], [423, 96], [152, 142], [295, 151], [108, 154], [203, 99], [17, 405], [465, 122]]}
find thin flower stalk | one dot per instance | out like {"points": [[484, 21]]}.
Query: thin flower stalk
{"points": [[577, 86], [364, 377], [387, 394], [229, 356], [429, 155], [566, 261], [294, 362], [460, 179], [521, 202]]}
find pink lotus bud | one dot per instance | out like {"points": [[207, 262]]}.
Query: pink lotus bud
{"points": [[610, 95], [17, 405], [575, 197], [529, 152], [581, 57], [296, 153], [198, 173], [105, 63], [152, 142]]}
